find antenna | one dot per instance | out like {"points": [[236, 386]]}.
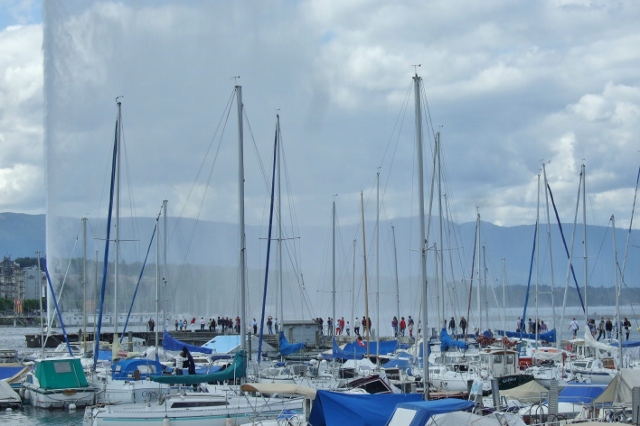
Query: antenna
{"points": [[235, 79], [415, 67]]}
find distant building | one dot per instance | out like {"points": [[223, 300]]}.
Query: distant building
{"points": [[11, 281], [31, 286]]}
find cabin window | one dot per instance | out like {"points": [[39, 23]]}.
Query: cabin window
{"points": [[62, 367], [510, 359], [497, 359]]}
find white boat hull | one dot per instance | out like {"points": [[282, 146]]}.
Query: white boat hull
{"points": [[58, 398], [191, 410]]}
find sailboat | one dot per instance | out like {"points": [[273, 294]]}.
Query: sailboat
{"points": [[217, 406]]}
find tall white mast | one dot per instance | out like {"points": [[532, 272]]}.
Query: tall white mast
{"points": [[441, 258], [617, 283], [84, 279], [280, 290], [333, 269], [157, 279], [378, 269], [479, 297], [116, 252], [242, 251], [165, 273], [395, 262], [535, 324], [423, 246], [553, 282], [584, 227]]}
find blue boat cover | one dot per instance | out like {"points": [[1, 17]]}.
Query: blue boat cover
{"points": [[171, 344], [627, 344], [8, 371], [549, 336], [124, 370], [580, 393], [401, 363], [447, 342], [342, 354], [386, 347], [287, 348], [425, 409], [337, 408]]}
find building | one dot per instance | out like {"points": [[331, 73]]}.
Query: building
{"points": [[31, 286], [11, 281]]}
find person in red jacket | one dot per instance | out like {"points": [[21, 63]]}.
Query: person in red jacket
{"points": [[403, 326]]}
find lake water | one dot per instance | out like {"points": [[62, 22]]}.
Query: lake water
{"points": [[13, 338]]}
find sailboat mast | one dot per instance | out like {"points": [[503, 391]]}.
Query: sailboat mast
{"points": [[353, 288], [280, 291], [504, 294], [333, 268], [84, 279], [157, 279], [378, 268], [584, 227], [116, 252], [366, 285], [395, 263], [440, 219], [242, 249], [42, 334], [617, 283], [553, 283], [165, 274], [423, 247], [537, 258], [479, 297]]}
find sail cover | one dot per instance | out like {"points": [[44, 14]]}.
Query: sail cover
{"points": [[235, 370], [171, 344], [287, 348], [447, 342], [337, 408]]}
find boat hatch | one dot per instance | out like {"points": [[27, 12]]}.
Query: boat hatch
{"points": [[191, 404]]}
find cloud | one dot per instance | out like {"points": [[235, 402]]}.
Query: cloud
{"points": [[21, 119]]}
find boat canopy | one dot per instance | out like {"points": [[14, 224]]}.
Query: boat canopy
{"points": [[418, 413], [125, 370], [580, 393], [171, 344], [620, 389], [337, 408], [236, 369], [287, 348], [60, 373]]}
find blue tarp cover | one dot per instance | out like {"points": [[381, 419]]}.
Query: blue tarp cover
{"points": [[447, 342], [287, 348], [549, 336], [124, 370], [342, 354], [171, 344], [337, 408], [580, 393], [386, 347], [425, 409], [627, 344]]}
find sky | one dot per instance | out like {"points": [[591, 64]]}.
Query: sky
{"points": [[510, 85]]}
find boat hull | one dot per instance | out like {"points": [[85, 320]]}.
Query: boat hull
{"points": [[58, 398]]}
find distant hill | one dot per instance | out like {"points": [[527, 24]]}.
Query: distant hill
{"points": [[21, 235]]}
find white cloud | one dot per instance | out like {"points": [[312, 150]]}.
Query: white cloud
{"points": [[21, 120]]}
